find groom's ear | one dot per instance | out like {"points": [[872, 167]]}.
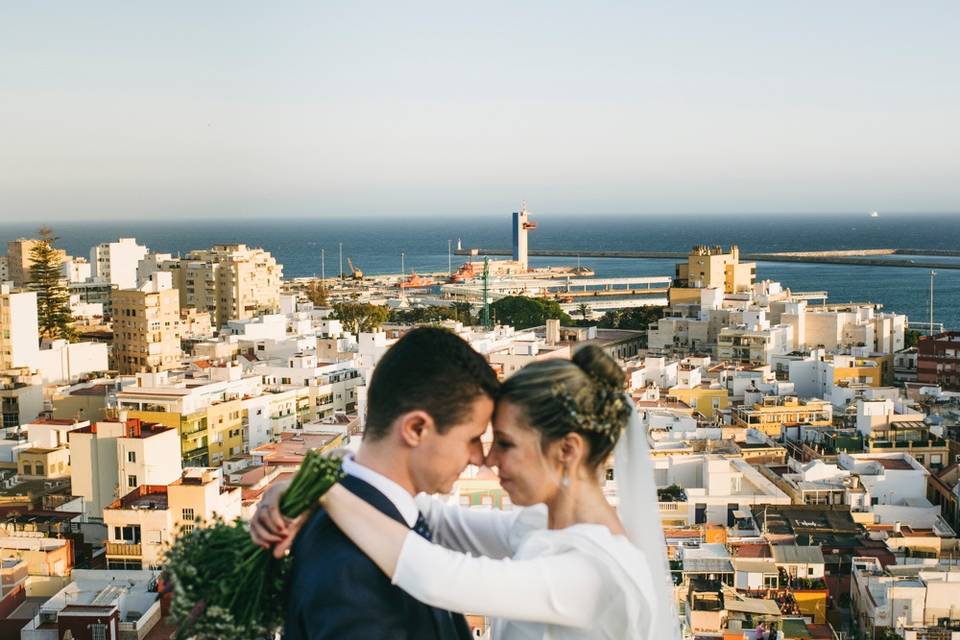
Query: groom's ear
{"points": [[413, 425]]}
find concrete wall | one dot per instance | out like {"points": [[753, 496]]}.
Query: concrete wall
{"points": [[65, 362], [24, 334]]}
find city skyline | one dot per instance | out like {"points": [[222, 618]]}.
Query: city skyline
{"points": [[228, 110]]}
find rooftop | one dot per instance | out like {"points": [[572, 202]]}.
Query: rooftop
{"points": [[133, 428], [892, 464], [146, 496], [55, 421], [795, 554]]}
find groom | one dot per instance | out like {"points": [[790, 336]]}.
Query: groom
{"points": [[430, 400]]}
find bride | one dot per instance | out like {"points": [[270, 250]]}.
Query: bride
{"points": [[566, 566]]}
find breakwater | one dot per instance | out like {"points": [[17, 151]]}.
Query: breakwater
{"points": [[869, 257]]}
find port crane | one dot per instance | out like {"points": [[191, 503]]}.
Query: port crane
{"points": [[356, 273]]}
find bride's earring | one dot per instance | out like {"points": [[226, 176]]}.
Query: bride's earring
{"points": [[565, 478]]}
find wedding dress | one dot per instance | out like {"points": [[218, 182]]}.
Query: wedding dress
{"points": [[578, 583]]}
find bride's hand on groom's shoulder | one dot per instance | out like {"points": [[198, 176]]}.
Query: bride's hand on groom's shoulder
{"points": [[269, 527]]}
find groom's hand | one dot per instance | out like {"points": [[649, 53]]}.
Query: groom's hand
{"points": [[269, 527]]}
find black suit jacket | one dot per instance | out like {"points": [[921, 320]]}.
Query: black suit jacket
{"points": [[337, 592]]}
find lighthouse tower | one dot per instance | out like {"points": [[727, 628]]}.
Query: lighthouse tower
{"points": [[521, 224]]}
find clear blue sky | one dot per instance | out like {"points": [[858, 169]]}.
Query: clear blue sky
{"points": [[113, 109]]}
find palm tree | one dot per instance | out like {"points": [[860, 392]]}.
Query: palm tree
{"points": [[462, 310], [584, 310]]}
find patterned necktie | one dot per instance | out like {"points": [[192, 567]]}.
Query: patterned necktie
{"points": [[421, 528]]}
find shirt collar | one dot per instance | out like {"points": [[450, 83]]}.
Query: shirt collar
{"points": [[396, 494]]}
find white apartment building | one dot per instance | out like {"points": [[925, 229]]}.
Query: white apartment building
{"points": [[109, 459], [658, 371], [835, 327], [19, 332], [48, 432], [879, 413], [150, 264], [77, 269], [895, 486], [21, 397], [268, 415], [111, 604], [755, 340], [231, 281], [62, 362], [832, 377], [715, 486], [910, 595], [116, 262]]}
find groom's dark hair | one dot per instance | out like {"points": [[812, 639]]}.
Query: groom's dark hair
{"points": [[428, 369]]}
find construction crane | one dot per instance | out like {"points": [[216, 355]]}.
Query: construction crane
{"points": [[486, 294], [356, 273]]}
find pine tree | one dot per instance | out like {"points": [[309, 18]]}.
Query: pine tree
{"points": [[53, 298]]}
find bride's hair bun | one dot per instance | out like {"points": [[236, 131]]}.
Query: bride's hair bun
{"points": [[583, 395], [599, 367]]}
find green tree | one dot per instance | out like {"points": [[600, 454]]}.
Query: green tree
{"points": [[423, 315], [634, 318], [911, 338], [54, 318], [317, 293], [358, 317], [584, 310], [463, 311], [522, 312]]}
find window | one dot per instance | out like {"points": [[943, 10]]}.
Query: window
{"points": [[129, 534], [132, 482], [98, 631], [28, 469], [770, 582], [810, 571], [131, 456], [39, 469], [188, 515]]}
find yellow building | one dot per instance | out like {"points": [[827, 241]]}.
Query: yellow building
{"points": [[19, 260], [225, 429], [872, 371], [44, 463], [774, 412], [711, 267], [199, 496], [146, 327], [705, 399], [193, 429]]}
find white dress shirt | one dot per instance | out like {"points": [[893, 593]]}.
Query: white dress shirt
{"points": [[396, 494]]}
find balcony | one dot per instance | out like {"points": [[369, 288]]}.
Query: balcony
{"points": [[128, 550], [199, 452]]}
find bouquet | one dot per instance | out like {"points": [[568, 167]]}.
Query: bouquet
{"points": [[225, 586]]}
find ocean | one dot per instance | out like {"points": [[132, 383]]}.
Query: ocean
{"points": [[375, 243]]}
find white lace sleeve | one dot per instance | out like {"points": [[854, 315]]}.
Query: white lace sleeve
{"points": [[563, 589]]}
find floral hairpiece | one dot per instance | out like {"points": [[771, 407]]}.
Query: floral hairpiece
{"points": [[608, 418]]}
